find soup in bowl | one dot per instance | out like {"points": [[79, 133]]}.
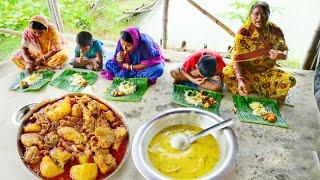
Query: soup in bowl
{"points": [[210, 157]]}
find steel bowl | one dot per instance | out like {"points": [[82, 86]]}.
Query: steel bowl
{"points": [[226, 139], [21, 116]]}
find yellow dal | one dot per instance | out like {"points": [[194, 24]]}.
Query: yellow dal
{"points": [[196, 161]]}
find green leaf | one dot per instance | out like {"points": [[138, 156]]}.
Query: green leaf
{"points": [[244, 111], [63, 80], [46, 77], [142, 86], [178, 98]]}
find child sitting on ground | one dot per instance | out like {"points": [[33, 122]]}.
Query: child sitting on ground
{"points": [[88, 53], [202, 69]]}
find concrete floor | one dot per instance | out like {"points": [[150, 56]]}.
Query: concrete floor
{"points": [[264, 152]]}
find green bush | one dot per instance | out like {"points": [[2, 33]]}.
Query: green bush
{"points": [[15, 14]]}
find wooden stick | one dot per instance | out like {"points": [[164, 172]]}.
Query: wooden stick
{"points": [[146, 8], [214, 19], [69, 37], [96, 4], [127, 16], [12, 32], [165, 24]]}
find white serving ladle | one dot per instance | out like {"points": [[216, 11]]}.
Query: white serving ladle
{"points": [[182, 141]]}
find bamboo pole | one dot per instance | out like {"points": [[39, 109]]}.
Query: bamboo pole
{"points": [[12, 32], [69, 37], [214, 19], [312, 52], [165, 24], [55, 14]]}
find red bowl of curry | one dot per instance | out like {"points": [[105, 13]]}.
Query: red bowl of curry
{"points": [[74, 136]]}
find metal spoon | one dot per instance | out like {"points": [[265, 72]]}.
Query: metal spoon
{"points": [[183, 141]]}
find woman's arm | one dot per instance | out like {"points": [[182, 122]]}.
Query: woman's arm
{"points": [[237, 69], [49, 54], [29, 63], [44, 58], [277, 54], [136, 67], [25, 55]]}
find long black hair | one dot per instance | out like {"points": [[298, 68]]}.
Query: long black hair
{"points": [[125, 36], [37, 26]]}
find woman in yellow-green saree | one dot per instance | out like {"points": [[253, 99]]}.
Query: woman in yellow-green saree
{"points": [[257, 47]]}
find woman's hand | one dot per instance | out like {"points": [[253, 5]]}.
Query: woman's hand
{"points": [[276, 54], [29, 67], [126, 66], [120, 56], [39, 61], [242, 88]]}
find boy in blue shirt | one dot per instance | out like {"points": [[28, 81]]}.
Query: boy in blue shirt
{"points": [[88, 53]]}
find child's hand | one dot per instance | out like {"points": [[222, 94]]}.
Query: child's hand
{"points": [[120, 56], [199, 81]]}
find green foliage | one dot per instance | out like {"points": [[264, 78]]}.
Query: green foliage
{"points": [[8, 44], [293, 63], [241, 10], [15, 14], [76, 14]]}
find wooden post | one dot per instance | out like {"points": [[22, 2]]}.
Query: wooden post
{"points": [[214, 19], [165, 24], [55, 14], [312, 52]]}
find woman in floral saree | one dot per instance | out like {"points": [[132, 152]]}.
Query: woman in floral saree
{"points": [[42, 46], [257, 47]]}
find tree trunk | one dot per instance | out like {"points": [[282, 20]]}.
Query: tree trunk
{"points": [[165, 24], [312, 52], [214, 19]]}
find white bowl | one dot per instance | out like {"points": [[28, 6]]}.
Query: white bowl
{"points": [[226, 139]]}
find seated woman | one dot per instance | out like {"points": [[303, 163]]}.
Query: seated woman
{"points": [[201, 69], [137, 55], [88, 53], [41, 46], [257, 47]]}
